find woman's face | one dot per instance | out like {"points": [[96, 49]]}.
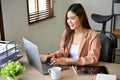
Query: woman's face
{"points": [[73, 20]]}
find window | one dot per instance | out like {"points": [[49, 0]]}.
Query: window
{"points": [[39, 10]]}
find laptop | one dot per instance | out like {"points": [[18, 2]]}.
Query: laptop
{"points": [[33, 57]]}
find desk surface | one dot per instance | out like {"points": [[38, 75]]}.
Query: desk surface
{"points": [[32, 74]]}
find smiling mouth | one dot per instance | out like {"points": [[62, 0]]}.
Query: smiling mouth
{"points": [[71, 25]]}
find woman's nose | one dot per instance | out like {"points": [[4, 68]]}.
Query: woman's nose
{"points": [[69, 21]]}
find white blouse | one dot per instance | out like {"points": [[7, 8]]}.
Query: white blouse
{"points": [[74, 51]]}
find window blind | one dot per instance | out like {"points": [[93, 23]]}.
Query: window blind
{"points": [[39, 10]]}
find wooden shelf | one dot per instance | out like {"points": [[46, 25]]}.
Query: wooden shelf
{"points": [[117, 33]]}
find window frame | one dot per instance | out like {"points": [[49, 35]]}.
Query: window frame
{"points": [[38, 16]]}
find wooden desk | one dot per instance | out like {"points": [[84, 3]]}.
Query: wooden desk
{"points": [[117, 33], [32, 74]]}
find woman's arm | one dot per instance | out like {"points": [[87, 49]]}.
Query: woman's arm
{"points": [[60, 52]]}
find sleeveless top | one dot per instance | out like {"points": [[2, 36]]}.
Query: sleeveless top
{"points": [[74, 51]]}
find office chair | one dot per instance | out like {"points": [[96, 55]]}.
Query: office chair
{"points": [[108, 39]]}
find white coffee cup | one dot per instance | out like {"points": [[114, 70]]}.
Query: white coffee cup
{"points": [[55, 73]]}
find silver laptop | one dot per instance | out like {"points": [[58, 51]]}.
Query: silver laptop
{"points": [[33, 57]]}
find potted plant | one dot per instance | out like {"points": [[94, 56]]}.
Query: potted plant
{"points": [[12, 70]]}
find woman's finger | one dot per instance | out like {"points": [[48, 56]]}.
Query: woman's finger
{"points": [[52, 59], [44, 58], [53, 62]]}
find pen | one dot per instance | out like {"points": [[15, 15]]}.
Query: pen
{"points": [[74, 69]]}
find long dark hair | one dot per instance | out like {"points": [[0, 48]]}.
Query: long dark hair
{"points": [[78, 9]]}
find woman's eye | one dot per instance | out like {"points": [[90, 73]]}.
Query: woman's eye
{"points": [[72, 18]]}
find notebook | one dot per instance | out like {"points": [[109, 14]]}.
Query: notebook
{"points": [[33, 57], [106, 77]]}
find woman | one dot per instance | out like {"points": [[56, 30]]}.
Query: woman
{"points": [[80, 45]]}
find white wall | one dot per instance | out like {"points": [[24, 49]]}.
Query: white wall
{"points": [[45, 34]]}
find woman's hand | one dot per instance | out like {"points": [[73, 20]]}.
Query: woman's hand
{"points": [[60, 61], [45, 57]]}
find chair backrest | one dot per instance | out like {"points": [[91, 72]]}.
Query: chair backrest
{"points": [[108, 39], [114, 39], [106, 49]]}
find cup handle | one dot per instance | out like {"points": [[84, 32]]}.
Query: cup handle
{"points": [[49, 71]]}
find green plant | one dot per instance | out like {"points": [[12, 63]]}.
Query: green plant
{"points": [[12, 69]]}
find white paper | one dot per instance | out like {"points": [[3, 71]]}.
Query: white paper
{"points": [[105, 77], [3, 47]]}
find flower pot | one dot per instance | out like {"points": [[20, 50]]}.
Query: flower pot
{"points": [[10, 78]]}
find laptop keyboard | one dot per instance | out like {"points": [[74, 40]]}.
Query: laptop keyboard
{"points": [[48, 64]]}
